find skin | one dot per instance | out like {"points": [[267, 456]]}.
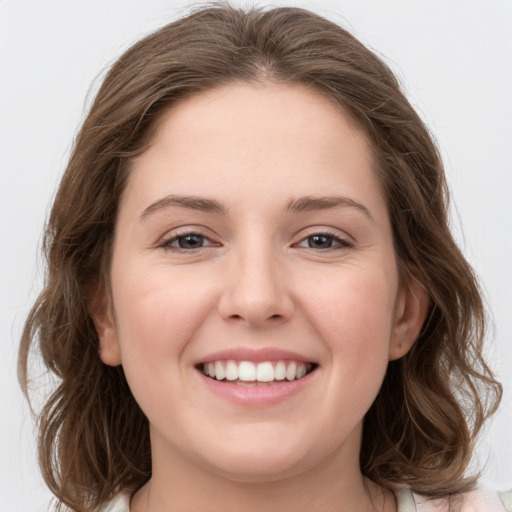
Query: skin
{"points": [[257, 281]]}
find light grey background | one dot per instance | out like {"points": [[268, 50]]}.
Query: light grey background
{"points": [[453, 56]]}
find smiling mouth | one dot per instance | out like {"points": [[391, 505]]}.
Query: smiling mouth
{"points": [[265, 373]]}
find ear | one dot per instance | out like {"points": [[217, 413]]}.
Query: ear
{"points": [[410, 313], [101, 311]]}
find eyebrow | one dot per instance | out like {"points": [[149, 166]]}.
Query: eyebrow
{"points": [[191, 202], [299, 205], [309, 203]]}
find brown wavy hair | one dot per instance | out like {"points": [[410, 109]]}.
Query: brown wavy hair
{"points": [[422, 427]]}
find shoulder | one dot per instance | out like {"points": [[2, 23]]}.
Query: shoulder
{"points": [[506, 499], [120, 503], [478, 500]]}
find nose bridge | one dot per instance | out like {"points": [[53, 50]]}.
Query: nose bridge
{"points": [[257, 289]]}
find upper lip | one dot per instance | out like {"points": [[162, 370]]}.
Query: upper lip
{"points": [[255, 355]]}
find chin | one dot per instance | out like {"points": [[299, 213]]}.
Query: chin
{"points": [[257, 463], [259, 470]]}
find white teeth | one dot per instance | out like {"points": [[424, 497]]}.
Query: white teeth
{"points": [[280, 371], [301, 371], [220, 373], [291, 371], [247, 371], [265, 372], [231, 370]]}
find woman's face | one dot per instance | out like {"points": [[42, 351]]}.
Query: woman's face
{"points": [[253, 244]]}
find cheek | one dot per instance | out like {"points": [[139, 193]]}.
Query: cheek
{"points": [[156, 314], [354, 315], [352, 299]]}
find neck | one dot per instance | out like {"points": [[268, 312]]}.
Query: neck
{"points": [[331, 486]]}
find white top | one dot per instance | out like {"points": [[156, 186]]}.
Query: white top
{"points": [[480, 500]]}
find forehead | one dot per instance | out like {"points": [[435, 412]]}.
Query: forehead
{"points": [[257, 140], [290, 111]]}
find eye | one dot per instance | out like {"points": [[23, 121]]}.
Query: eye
{"points": [[187, 242], [324, 241]]}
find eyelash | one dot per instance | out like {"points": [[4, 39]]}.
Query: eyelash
{"points": [[340, 243], [167, 244]]}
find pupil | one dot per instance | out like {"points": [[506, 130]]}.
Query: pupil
{"points": [[190, 241], [320, 241]]}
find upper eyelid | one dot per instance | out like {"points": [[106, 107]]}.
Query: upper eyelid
{"points": [[343, 241], [187, 230], [325, 230], [167, 240], [207, 233]]}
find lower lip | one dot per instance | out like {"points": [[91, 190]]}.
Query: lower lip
{"points": [[253, 396]]}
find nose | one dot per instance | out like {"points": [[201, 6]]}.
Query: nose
{"points": [[256, 290]]}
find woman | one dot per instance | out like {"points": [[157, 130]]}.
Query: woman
{"points": [[252, 286]]}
